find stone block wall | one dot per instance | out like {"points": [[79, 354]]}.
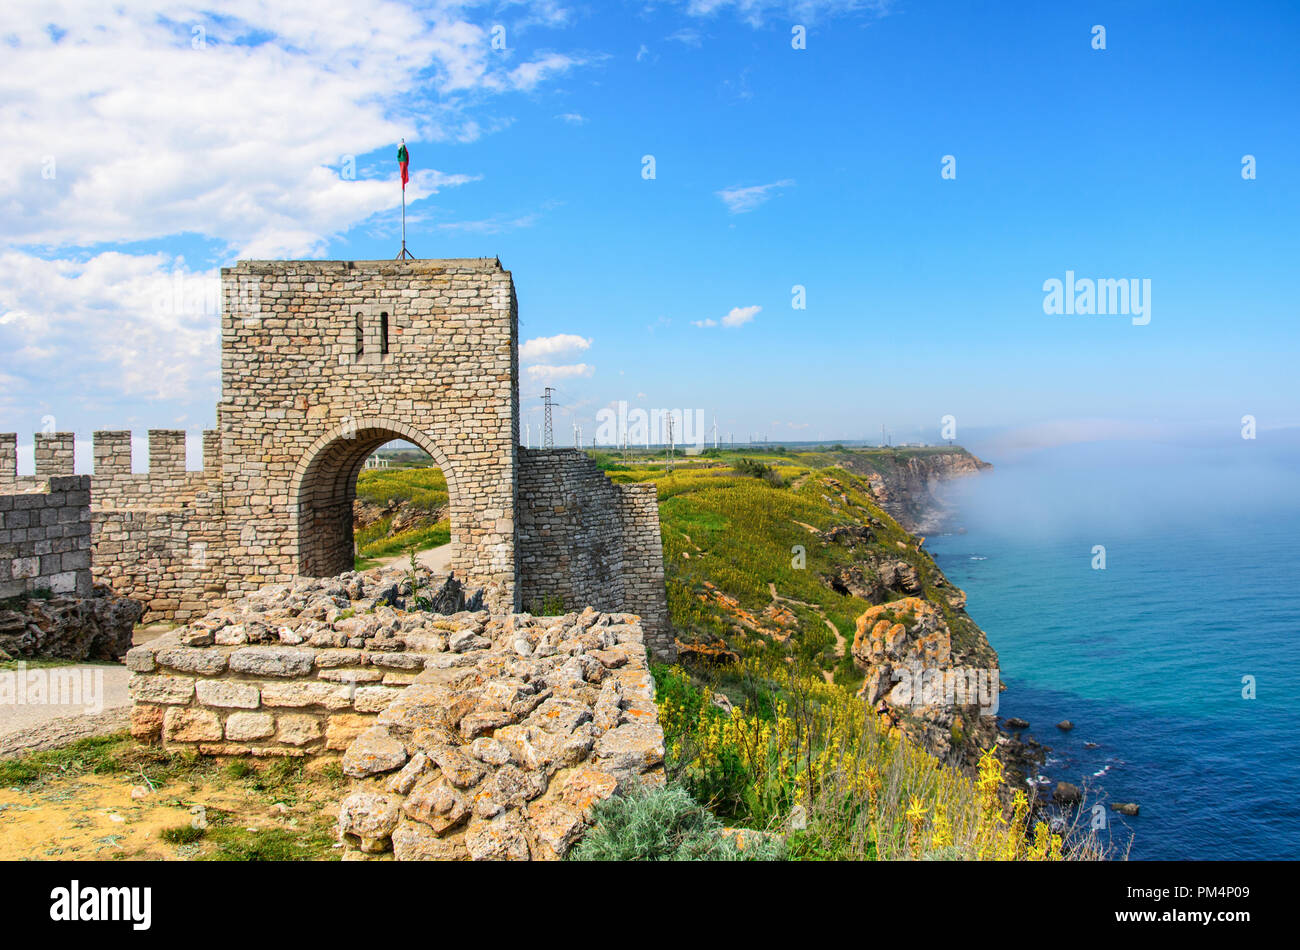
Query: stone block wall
{"points": [[322, 363], [643, 567], [159, 536], [585, 540], [570, 533], [45, 537], [259, 700]]}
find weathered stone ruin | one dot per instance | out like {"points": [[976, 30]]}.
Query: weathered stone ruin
{"points": [[322, 363], [472, 730], [467, 736]]}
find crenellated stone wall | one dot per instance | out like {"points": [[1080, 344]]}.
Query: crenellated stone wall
{"points": [[322, 363]]}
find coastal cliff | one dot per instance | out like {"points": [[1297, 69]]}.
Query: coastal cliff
{"points": [[905, 482]]}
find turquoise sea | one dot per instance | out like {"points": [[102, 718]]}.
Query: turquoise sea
{"points": [[1149, 657]]}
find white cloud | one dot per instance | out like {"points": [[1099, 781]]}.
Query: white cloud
{"points": [[549, 347], [547, 373], [741, 200], [114, 325], [573, 118], [240, 140], [735, 317], [739, 316]]}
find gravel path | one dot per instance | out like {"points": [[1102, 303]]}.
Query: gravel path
{"points": [[104, 706]]}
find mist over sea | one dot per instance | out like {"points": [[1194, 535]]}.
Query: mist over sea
{"points": [[1147, 657]]}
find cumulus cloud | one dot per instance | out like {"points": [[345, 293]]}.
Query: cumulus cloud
{"points": [[741, 200], [546, 373], [113, 325], [548, 347], [739, 316], [736, 317], [138, 121]]}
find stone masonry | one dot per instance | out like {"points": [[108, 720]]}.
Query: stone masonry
{"points": [[584, 540], [45, 538], [475, 735], [322, 363]]}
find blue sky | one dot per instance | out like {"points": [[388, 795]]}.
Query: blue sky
{"points": [[774, 167]]}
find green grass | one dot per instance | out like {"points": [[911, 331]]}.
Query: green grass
{"points": [[735, 519], [97, 755], [422, 488], [419, 489], [421, 539], [181, 834], [268, 844]]}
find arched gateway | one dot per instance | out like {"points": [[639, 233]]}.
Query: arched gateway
{"points": [[325, 486], [321, 363]]}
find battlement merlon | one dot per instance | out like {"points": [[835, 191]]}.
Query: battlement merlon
{"points": [[111, 450], [54, 453]]}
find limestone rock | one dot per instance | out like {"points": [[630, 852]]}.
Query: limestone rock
{"points": [[435, 803], [373, 752], [370, 817]]}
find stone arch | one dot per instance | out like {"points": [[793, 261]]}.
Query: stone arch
{"points": [[324, 486]]}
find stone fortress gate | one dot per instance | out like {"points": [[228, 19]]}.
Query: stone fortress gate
{"points": [[322, 362]]}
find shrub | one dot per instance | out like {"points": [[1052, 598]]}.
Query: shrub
{"points": [[664, 824], [867, 793]]}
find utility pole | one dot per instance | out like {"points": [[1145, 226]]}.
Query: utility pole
{"points": [[670, 441], [548, 437]]}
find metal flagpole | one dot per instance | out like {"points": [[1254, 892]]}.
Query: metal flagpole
{"points": [[404, 253]]}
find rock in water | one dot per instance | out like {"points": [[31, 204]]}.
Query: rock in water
{"points": [[1125, 808], [1065, 725], [1066, 794]]}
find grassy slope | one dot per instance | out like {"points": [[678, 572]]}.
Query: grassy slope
{"points": [[739, 533], [420, 488]]}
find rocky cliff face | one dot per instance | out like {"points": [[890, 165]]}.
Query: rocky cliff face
{"points": [[904, 483]]}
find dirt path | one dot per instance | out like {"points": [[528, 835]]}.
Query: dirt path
{"points": [[841, 644], [102, 705], [436, 559]]}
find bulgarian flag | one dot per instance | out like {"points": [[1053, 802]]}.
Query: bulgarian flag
{"points": [[404, 162]]}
